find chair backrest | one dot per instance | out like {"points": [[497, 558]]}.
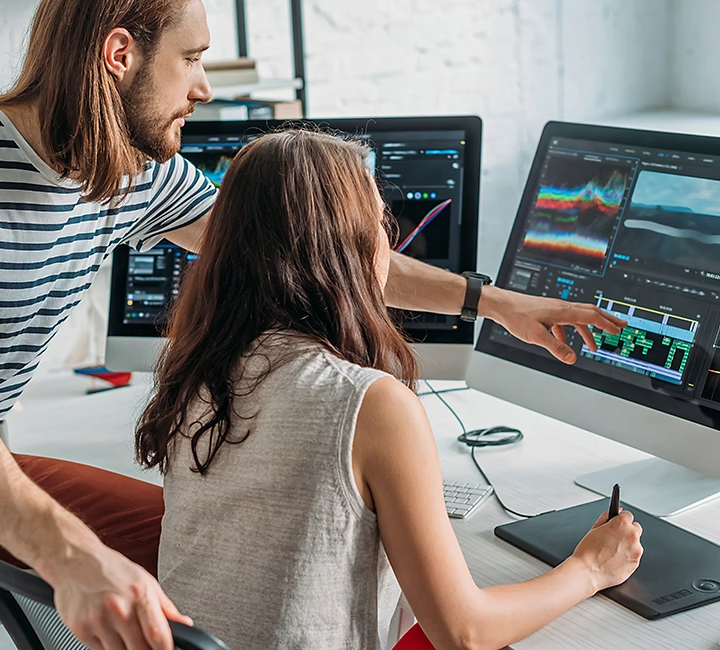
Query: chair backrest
{"points": [[414, 639], [28, 613]]}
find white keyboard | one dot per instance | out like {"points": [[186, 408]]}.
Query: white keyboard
{"points": [[461, 499]]}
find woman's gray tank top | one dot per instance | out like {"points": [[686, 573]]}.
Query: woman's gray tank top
{"points": [[274, 547]]}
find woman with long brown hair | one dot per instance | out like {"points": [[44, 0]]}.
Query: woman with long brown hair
{"points": [[301, 471]]}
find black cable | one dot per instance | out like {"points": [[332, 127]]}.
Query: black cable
{"points": [[483, 437], [497, 496], [445, 390], [478, 437], [450, 408], [474, 439]]}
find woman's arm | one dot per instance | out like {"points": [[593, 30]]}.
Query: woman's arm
{"points": [[107, 601], [397, 470]]}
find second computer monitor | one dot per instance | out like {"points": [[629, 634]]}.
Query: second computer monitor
{"points": [[429, 174]]}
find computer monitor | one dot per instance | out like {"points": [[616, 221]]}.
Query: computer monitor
{"points": [[429, 170], [629, 221]]}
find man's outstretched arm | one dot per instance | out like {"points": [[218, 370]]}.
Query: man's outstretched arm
{"points": [[415, 285], [108, 602]]}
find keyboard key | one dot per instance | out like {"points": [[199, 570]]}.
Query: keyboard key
{"points": [[461, 499]]}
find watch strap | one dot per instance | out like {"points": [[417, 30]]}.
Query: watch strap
{"points": [[473, 290]]}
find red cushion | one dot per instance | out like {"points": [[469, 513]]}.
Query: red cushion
{"points": [[414, 639]]}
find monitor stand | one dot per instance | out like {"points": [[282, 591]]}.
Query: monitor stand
{"points": [[656, 486]]}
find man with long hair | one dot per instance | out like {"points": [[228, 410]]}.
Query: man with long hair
{"points": [[89, 137], [89, 141]]}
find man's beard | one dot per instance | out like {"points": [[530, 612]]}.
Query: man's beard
{"points": [[151, 134]]}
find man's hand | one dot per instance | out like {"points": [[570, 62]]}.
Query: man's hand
{"points": [[540, 321], [415, 285], [110, 603]]}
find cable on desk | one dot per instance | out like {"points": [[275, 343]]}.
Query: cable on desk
{"points": [[443, 391], [474, 439]]}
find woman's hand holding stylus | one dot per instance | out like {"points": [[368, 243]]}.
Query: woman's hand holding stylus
{"points": [[611, 550]]}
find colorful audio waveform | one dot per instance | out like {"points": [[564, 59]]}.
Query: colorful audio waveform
{"points": [[606, 199], [565, 219], [216, 174], [545, 238]]}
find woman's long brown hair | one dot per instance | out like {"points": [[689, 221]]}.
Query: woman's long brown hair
{"points": [[82, 118], [290, 245]]}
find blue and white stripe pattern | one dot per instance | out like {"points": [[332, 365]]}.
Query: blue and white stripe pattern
{"points": [[52, 243]]}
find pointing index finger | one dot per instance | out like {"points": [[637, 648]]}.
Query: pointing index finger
{"points": [[606, 321]]}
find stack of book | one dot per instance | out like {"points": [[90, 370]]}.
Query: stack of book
{"points": [[247, 109], [232, 102], [236, 72]]}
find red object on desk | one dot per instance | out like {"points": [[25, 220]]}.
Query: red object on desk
{"points": [[414, 639], [116, 379]]}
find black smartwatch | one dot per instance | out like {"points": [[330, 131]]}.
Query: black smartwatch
{"points": [[473, 290]]}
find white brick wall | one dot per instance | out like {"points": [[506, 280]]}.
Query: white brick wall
{"points": [[14, 22], [516, 63], [221, 20], [695, 71]]}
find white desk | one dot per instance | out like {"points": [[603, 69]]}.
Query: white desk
{"points": [[537, 475], [533, 476], [57, 418]]}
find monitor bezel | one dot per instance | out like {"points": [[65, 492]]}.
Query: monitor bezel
{"points": [[470, 124], [665, 401]]}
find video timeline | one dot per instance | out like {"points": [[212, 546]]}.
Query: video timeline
{"points": [[654, 343]]}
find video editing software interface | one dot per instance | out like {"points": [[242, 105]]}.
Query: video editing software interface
{"points": [[635, 231], [421, 176]]}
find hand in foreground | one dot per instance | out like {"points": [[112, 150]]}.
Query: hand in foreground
{"points": [[532, 319], [110, 603], [611, 550]]}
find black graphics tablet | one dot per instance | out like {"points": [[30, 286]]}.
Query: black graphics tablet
{"points": [[678, 570]]}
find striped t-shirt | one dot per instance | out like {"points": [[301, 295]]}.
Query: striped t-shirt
{"points": [[52, 243]]}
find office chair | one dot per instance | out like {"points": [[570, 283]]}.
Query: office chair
{"points": [[414, 639], [28, 613]]}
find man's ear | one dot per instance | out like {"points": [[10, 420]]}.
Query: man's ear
{"points": [[119, 53]]}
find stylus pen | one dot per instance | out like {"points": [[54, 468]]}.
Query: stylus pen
{"points": [[614, 502]]}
